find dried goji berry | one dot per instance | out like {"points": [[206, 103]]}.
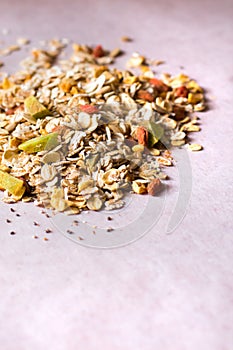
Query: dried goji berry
{"points": [[159, 85], [88, 108], [145, 95], [142, 135], [181, 91], [98, 51]]}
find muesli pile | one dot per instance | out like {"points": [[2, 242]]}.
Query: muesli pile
{"points": [[76, 134]]}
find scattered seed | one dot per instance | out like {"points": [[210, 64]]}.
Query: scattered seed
{"points": [[8, 221], [36, 223], [12, 210], [109, 218], [48, 230], [126, 39], [12, 233], [70, 232], [110, 229], [45, 239]]}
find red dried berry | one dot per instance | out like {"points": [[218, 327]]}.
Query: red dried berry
{"points": [[142, 136], [98, 51], [181, 91], [88, 109], [145, 95], [159, 85]]}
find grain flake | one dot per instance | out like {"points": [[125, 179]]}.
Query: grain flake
{"points": [[76, 134]]}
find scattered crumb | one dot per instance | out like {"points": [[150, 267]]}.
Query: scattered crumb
{"points": [[45, 239], [23, 41], [80, 238], [75, 222], [70, 232], [126, 39], [157, 62]]}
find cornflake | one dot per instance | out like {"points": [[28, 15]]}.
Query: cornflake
{"points": [[76, 134]]}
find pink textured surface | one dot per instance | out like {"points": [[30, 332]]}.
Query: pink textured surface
{"points": [[170, 292]]}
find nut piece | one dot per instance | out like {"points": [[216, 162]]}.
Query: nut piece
{"points": [[142, 135], [139, 186], [154, 187]]}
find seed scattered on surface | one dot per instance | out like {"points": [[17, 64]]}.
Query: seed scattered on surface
{"points": [[18, 215], [35, 237], [45, 239], [110, 229], [12, 233], [12, 210], [75, 222], [8, 221], [109, 218], [80, 238], [36, 223], [48, 230], [126, 39], [70, 232]]}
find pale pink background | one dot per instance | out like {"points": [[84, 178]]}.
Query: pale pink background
{"points": [[165, 292]]}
